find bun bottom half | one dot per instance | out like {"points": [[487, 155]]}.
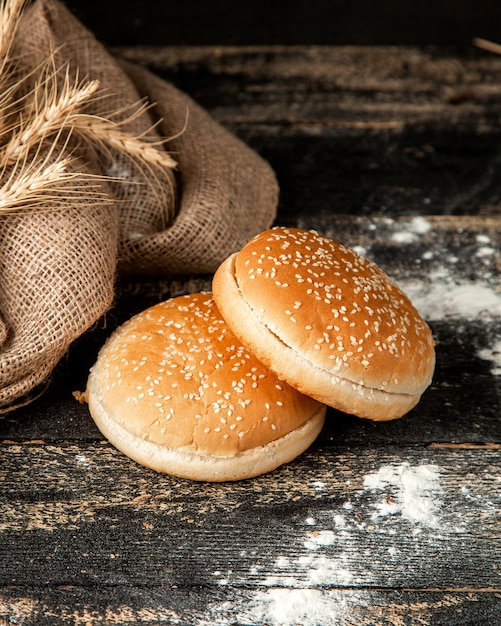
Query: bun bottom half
{"points": [[299, 372], [186, 463]]}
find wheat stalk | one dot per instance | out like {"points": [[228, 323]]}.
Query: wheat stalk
{"points": [[106, 132], [28, 187], [10, 16], [10, 108], [34, 185], [52, 106], [47, 117], [107, 135], [485, 44]]}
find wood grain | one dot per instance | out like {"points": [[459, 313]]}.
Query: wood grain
{"points": [[75, 606], [368, 130], [395, 151], [87, 515]]}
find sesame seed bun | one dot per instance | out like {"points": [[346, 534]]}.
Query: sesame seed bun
{"points": [[327, 321], [175, 390]]}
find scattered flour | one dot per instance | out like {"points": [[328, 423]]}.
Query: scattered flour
{"points": [[420, 225], [82, 460], [492, 354], [320, 538], [447, 293], [411, 492], [311, 570], [319, 485], [490, 506], [339, 521], [361, 250], [483, 238], [303, 606], [282, 607], [443, 299], [485, 251], [416, 227], [305, 586], [404, 237]]}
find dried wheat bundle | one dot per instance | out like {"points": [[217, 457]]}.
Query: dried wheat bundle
{"points": [[89, 188], [43, 119]]}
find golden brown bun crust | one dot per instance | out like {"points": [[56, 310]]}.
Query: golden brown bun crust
{"points": [[174, 389], [328, 321]]}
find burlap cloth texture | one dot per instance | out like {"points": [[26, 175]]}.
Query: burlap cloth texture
{"points": [[59, 264]]}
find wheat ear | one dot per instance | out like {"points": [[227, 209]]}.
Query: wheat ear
{"points": [[54, 104], [103, 131], [35, 131], [32, 181], [33, 186], [36, 185], [10, 17], [46, 115]]}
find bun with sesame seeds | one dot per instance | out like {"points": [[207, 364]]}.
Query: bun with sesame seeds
{"points": [[327, 321], [176, 391]]}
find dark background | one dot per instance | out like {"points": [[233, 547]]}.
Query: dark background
{"points": [[226, 22]]}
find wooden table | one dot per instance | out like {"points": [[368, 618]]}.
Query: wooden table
{"points": [[396, 151]]}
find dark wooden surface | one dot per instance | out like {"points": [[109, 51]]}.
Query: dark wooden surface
{"points": [[396, 151]]}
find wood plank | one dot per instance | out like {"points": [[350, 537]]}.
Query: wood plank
{"points": [[225, 606], [356, 130], [337, 90], [378, 517], [402, 73]]}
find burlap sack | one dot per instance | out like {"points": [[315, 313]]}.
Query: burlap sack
{"points": [[58, 262], [56, 278], [228, 193]]}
